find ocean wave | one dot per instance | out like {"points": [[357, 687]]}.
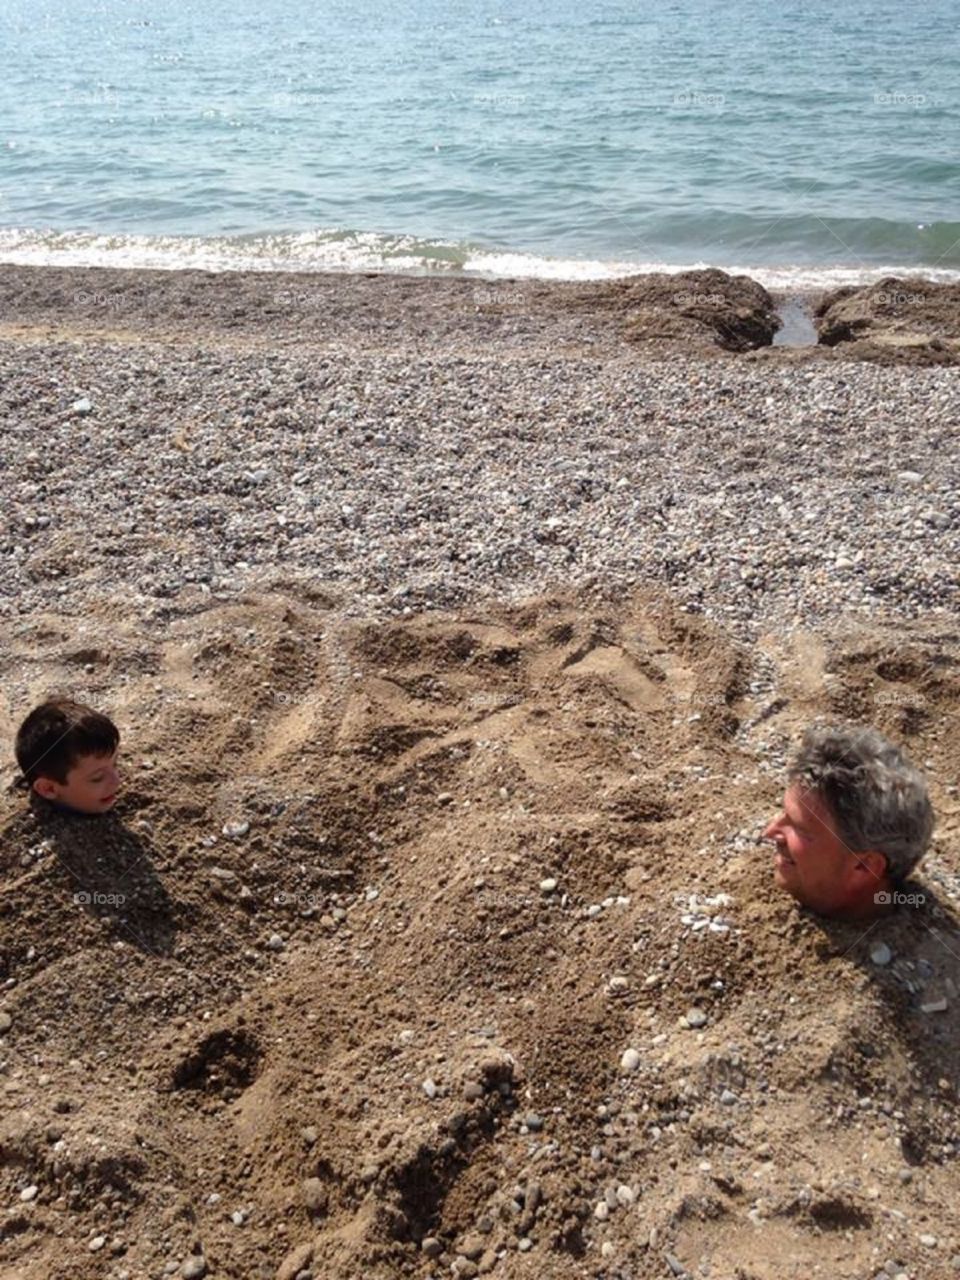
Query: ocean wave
{"points": [[339, 250]]}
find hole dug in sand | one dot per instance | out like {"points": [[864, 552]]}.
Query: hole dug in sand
{"points": [[224, 1063]]}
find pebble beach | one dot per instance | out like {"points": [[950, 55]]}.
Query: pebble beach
{"points": [[399, 467]]}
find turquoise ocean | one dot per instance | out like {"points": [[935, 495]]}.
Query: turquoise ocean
{"points": [[805, 143]]}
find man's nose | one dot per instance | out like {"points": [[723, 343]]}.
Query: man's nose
{"points": [[772, 828]]}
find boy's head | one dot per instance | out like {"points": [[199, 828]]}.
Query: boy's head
{"points": [[68, 754]]}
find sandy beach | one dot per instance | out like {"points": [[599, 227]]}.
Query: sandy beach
{"points": [[458, 633]]}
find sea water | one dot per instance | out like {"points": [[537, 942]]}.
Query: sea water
{"points": [[806, 143]]}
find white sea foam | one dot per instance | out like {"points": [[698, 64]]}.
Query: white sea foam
{"points": [[785, 277], [339, 250]]}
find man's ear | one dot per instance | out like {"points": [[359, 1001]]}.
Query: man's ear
{"points": [[873, 864], [45, 787]]}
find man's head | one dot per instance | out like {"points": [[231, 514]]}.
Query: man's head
{"points": [[68, 754], [856, 820]]}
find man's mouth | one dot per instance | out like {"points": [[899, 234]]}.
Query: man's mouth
{"points": [[782, 858], [109, 799]]}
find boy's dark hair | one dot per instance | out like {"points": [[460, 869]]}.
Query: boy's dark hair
{"points": [[57, 733]]}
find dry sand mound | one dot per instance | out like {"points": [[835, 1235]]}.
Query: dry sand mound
{"points": [[343, 987], [895, 321], [694, 309]]}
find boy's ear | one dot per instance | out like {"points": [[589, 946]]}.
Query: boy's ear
{"points": [[45, 787]]}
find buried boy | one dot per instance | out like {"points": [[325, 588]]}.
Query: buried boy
{"points": [[856, 820], [67, 754]]}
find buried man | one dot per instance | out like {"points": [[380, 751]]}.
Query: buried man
{"points": [[856, 820]]}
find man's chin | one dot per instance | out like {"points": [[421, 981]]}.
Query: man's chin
{"points": [[782, 877]]}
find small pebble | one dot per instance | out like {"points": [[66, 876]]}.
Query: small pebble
{"points": [[934, 1006], [880, 953], [630, 1060]]}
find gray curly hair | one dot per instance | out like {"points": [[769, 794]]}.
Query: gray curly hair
{"points": [[877, 797]]}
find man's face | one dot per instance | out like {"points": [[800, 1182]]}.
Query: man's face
{"points": [[91, 786], [811, 861]]}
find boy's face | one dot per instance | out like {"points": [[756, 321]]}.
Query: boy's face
{"points": [[91, 786]]}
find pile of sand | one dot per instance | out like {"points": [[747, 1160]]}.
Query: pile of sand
{"points": [[898, 320], [699, 310], [344, 986]]}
